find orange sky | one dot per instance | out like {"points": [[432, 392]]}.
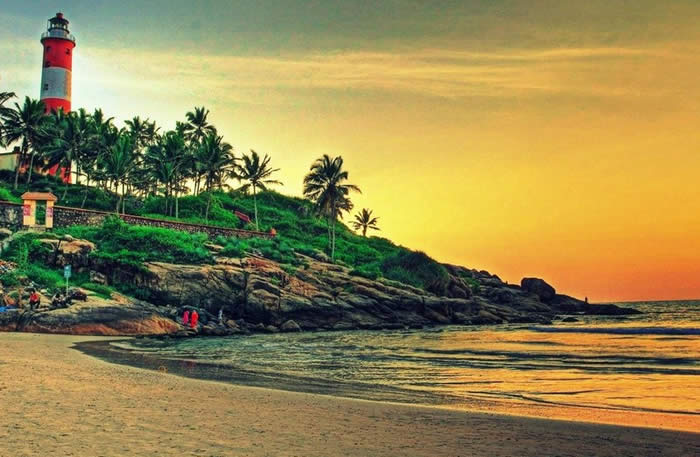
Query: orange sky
{"points": [[525, 138]]}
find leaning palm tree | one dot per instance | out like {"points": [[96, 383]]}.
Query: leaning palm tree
{"points": [[25, 123], [257, 172], [364, 220], [325, 186]]}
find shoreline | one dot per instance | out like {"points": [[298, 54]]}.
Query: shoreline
{"points": [[106, 351], [59, 401]]}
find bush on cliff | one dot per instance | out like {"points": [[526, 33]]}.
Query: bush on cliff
{"points": [[417, 269], [120, 242]]}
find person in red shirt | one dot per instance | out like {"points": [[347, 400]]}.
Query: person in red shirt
{"points": [[186, 318], [34, 300], [194, 318]]}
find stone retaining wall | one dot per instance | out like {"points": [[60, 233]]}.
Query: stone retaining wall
{"points": [[11, 217]]}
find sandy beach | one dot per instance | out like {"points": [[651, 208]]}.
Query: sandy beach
{"points": [[58, 401]]}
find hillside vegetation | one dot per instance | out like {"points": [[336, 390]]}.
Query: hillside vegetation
{"points": [[299, 231]]}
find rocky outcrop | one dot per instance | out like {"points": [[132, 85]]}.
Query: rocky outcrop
{"points": [[95, 316], [261, 295], [257, 295], [539, 287], [68, 251]]}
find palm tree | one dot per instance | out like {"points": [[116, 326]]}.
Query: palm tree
{"points": [[197, 126], [118, 163], [257, 173], [364, 220], [325, 186], [216, 161], [164, 163], [4, 111], [176, 153], [25, 123], [69, 138]]}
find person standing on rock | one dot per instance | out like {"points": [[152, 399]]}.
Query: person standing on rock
{"points": [[221, 316], [186, 318], [194, 318]]}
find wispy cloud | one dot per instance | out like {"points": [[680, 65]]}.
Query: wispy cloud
{"points": [[602, 71], [437, 73]]}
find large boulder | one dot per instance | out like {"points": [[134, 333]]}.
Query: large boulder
{"points": [[69, 251], [290, 326], [538, 287]]}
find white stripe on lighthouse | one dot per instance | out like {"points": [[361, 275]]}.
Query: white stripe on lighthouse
{"points": [[55, 83]]}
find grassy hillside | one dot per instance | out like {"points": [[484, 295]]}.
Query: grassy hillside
{"points": [[298, 229]]}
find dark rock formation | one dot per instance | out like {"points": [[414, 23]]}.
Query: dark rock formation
{"points": [[539, 287]]}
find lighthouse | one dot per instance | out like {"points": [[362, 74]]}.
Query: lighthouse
{"points": [[57, 64], [56, 74]]}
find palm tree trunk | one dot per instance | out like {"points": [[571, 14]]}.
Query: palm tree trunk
{"points": [[206, 212], [20, 157], [119, 201], [333, 233], [255, 206], [177, 207], [328, 228], [31, 167], [85, 194], [16, 177], [123, 198], [364, 231]]}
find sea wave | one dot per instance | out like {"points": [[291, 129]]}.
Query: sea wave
{"points": [[621, 330]]}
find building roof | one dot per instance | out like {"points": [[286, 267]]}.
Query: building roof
{"points": [[41, 196]]}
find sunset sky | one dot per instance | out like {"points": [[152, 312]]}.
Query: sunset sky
{"points": [[529, 138]]}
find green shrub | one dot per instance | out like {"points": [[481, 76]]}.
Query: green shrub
{"points": [[417, 269], [367, 271], [143, 244], [46, 277], [100, 289], [10, 279], [6, 195]]}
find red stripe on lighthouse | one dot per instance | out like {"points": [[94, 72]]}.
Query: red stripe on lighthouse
{"points": [[58, 53]]}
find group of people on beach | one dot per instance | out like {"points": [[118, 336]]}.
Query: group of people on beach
{"points": [[34, 302]]}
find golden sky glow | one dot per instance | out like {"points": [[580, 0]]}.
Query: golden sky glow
{"points": [[525, 138]]}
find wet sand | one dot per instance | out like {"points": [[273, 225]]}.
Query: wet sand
{"points": [[55, 400]]}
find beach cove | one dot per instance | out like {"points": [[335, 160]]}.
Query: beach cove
{"points": [[58, 401]]}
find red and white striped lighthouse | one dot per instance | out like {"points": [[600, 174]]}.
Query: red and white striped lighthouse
{"points": [[57, 72], [58, 64]]}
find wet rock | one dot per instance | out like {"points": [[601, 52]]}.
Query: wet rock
{"points": [[271, 329], [290, 326]]}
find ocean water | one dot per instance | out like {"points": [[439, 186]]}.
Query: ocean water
{"points": [[634, 370]]}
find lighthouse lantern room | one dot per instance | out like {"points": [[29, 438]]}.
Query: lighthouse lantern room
{"points": [[58, 45]]}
